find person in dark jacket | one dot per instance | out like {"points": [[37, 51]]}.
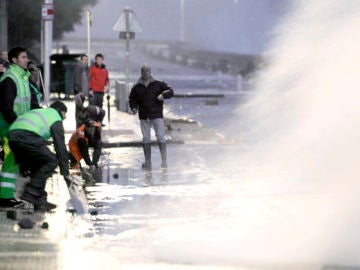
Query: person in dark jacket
{"points": [[34, 83], [28, 137], [80, 109], [147, 98], [84, 113]]}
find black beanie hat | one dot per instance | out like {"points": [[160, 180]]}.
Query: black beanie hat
{"points": [[58, 105]]}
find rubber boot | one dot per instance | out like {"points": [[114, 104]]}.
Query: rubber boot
{"points": [[162, 147], [147, 154], [38, 197]]}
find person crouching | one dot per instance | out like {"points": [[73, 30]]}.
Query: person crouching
{"points": [[87, 135], [28, 137]]}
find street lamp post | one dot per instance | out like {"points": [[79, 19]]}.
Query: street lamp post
{"points": [[127, 39], [88, 24]]}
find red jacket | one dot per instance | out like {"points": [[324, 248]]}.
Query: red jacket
{"points": [[98, 78]]}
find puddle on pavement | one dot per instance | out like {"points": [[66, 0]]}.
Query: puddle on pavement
{"points": [[129, 177]]}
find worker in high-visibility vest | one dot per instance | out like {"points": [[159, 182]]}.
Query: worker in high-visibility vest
{"points": [[28, 137], [15, 100]]}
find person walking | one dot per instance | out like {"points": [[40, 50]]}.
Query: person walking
{"points": [[28, 137], [147, 98], [15, 100], [98, 81]]}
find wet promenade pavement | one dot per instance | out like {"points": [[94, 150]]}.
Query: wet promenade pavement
{"points": [[128, 224], [45, 246], [164, 219]]}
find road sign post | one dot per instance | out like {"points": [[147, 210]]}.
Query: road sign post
{"points": [[127, 25]]}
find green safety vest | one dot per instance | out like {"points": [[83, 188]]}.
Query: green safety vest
{"points": [[22, 102], [38, 121]]}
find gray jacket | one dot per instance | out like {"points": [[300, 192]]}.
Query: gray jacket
{"points": [[81, 81]]}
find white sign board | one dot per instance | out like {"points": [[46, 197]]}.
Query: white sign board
{"points": [[47, 12]]}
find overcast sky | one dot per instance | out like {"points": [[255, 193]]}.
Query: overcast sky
{"points": [[240, 26]]}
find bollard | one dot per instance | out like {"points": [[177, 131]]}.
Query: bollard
{"points": [[122, 91]]}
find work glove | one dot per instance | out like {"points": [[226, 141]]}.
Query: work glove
{"points": [[160, 97], [73, 179]]}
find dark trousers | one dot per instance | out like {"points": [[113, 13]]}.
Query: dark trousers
{"points": [[84, 150], [97, 152], [98, 98], [33, 154]]}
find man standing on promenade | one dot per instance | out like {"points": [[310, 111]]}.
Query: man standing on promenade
{"points": [[15, 100], [98, 81], [81, 82], [147, 97]]}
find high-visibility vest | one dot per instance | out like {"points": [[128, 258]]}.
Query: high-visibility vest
{"points": [[38, 121], [22, 102]]}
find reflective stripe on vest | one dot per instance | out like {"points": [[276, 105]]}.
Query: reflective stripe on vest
{"points": [[38, 121], [8, 175], [7, 185], [43, 132]]}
